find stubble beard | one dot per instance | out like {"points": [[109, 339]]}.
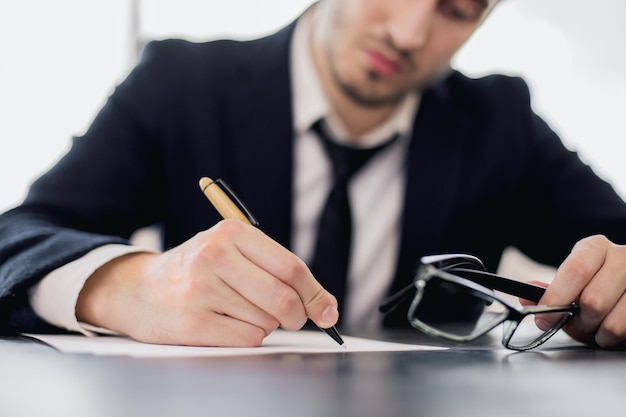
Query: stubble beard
{"points": [[363, 95], [369, 91]]}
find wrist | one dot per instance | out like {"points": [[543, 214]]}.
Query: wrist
{"points": [[103, 300]]}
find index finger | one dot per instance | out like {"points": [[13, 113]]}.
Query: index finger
{"points": [[320, 306], [576, 271]]}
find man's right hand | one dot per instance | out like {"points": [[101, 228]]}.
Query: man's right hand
{"points": [[230, 285]]}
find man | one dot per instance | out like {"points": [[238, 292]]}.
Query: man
{"points": [[472, 170]]}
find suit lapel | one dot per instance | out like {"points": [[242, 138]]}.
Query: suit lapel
{"points": [[434, 164], [261, 122]]}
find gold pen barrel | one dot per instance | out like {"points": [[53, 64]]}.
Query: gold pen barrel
{"points": [[221, 201]]}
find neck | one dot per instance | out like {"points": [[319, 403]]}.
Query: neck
{"points": [[358, 119]]}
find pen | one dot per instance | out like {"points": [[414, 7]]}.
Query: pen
{"points": [[229, 206]]}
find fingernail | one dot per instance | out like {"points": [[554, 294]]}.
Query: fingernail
{"points": [[330, 315]]}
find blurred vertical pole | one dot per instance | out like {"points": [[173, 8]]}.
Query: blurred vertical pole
{"points": [[135, 38]]}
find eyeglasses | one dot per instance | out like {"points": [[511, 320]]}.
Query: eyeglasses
{"points": [[456, 299]]}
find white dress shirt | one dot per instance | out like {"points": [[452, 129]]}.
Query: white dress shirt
{"points": [[376, 194]]}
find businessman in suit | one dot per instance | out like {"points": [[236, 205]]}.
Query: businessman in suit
{"points": [[470, 169]]}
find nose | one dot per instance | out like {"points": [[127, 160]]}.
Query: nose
{"points": [[410, 23]]}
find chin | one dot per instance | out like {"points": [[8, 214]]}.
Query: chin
{"points": [[371, 99], [370, 89]]}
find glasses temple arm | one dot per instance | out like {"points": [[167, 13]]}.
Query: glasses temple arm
{"points": [[392, 301], [520, 289]]}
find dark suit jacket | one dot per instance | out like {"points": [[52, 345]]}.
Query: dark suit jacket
{"points": [[484, 172]]}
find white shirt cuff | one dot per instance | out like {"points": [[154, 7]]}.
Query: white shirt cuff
{"points": [[54, 298]]}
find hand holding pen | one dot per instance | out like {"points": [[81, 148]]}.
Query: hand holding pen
{"points": [[229, 206], [229, 285]]}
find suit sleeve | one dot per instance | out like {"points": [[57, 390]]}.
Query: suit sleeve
{"points": [[559, 198], [99, 193], [520, 185], [564, 200]]}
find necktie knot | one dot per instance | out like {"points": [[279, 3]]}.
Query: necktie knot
{"points": [[346, 160]]}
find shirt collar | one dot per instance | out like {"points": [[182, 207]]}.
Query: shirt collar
{"points": [[310, 103]]}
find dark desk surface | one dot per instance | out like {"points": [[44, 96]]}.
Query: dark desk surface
{"points": [[476, 380]]}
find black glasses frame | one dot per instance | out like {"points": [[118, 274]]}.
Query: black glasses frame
{"points": [[468, 272]]}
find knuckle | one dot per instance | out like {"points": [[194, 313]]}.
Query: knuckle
{"points": [[214, 253], [593, 304], [320, 297], [270, 325], [216, 244], [289, 310], [212, 250], [593, 241], [227, 227], [287, 302], [293, 269], [577, 268]]}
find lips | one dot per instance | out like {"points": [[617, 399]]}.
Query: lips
{"points": [[383, 65]]}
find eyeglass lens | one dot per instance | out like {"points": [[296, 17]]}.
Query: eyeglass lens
{"points": [[467, 314], [528, 335], [464, 313]]}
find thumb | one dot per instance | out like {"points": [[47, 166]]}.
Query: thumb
{"points": [[322, 309]]}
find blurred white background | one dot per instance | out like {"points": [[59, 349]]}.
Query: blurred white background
{"points": [[60, 59]]}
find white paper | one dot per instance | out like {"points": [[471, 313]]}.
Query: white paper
{"points": [[280, 341]]}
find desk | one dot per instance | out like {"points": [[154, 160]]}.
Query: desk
{"points": [[479, 380]]}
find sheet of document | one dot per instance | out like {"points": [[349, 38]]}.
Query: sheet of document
{"points": [[280, 341]]}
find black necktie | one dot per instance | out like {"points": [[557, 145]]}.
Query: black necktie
{"points": [[332, 251]]}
